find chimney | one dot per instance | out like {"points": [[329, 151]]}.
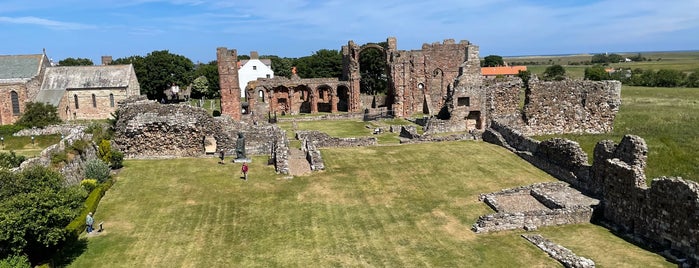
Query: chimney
{"points": [[106, 60], [254, 55]]}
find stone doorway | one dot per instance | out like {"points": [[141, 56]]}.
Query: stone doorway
{"points": [[343, 98], [474, 120]]}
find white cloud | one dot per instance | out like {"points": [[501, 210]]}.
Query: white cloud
{"points": [[53, 24]]}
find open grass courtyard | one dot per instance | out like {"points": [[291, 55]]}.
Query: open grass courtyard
{"points": [[395, 206]]}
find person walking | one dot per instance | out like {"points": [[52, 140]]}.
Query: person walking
{"points": [[244, 169], [89, 221]]}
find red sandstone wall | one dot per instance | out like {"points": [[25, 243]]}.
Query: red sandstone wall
{"points": [[228, 81]]}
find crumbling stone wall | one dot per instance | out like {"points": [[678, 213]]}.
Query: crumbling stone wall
{"points": [[533, 206], [228, 82], [560, 253], [74, 170], [665, 214], [503, 97], [153, 130], [324, 140], [571, 106]]}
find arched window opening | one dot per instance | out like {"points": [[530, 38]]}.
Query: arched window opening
{"points": [[75, 100], [94, 101], [14, 98]]}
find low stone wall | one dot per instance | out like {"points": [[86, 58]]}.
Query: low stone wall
{"points": [[530, 220], [434, 126], [342, 116], [561, 254], [64, 130], [322, 140], [440, 138], [74, 170], [665, 215], [313, 155]]}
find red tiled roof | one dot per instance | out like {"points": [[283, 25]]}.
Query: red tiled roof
{"points": [[506, 70]]}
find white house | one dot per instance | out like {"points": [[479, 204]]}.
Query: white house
{"points": [[250, 70]]}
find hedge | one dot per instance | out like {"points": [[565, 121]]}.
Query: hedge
{"points": [[77, 226]]}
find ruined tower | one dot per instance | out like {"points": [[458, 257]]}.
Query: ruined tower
{"points": [[228, 81]]}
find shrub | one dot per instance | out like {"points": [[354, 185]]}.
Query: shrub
{"points": [[117, 159], [16, 261], [89, 184], [8, 130], [97, 169], [59, 157], [79, 146], [39, 114], [11, 160], [78, 224], [104, 151]]}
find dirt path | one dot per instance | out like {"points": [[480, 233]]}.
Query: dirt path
{"points": [[298, 165]]}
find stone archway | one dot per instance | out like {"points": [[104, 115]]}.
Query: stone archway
{"points": [[342, 98], [303, 96], [281, 100], [324, 98]]}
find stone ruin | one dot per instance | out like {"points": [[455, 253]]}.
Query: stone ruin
{"points": [[148, 129], [530, 207], [442, 80], [74, 169], [662, 216]]}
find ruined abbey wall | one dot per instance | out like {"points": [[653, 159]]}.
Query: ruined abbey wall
{"points": [[571, 106], [147, 129], [228, 82], [664, 214]]}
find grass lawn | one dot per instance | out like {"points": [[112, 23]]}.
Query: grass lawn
{"points": [[23, 145], [396, 206], [667, 118]]}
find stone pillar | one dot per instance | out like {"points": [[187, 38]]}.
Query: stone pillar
{"points": [[290, 102], [273, 103], [334, 99], [228, 81], [313, 92]]}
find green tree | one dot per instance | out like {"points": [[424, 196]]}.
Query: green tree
{"points": [[210, 71], [159, 70], [692, 79], [525, 76], [669, 78], [323, 63], [554, 72], [10, 160], [280, 66], [492, 61], [372, 66], [75, 62], [200, 87], [596, 73], [15, 261], [39, 114], [35, 208]]}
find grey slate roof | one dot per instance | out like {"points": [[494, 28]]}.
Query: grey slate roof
{"points": [[52, 97], [19, 67], [267, 62], [58, 79], [86, 77]]}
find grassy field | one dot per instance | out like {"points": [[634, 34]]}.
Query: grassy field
{"points": [[24, 146], [390, 206], [667, 118], [686, 61]]}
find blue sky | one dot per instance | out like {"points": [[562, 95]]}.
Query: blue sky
{"points": [[295, 28]]}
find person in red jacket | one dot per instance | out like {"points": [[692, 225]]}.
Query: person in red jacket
{"points": [[244, 169]]}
